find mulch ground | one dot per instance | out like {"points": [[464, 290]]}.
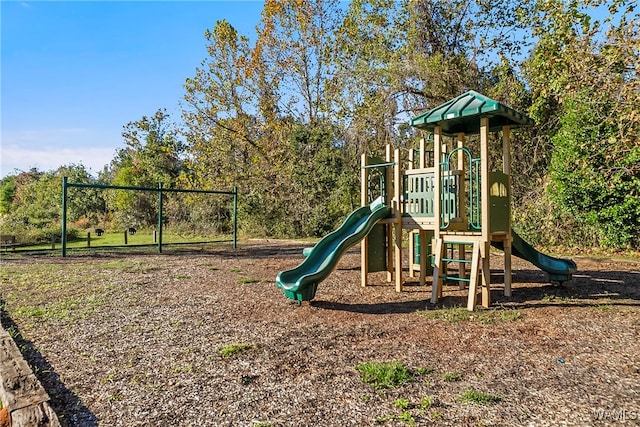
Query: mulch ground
{"points": [[134, 340]]}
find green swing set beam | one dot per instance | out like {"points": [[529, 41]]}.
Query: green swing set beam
{"points": [[66, 185]]}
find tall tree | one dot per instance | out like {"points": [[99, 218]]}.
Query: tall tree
{"points": [[220, 129], [584, 90], [153, 154], [295, 43]]}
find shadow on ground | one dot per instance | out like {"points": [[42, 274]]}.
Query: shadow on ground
{"points": [[65, 403], [378, 308], [587, 289]]}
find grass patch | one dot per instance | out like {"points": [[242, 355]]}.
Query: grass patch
{"points": [[246, 281], [558, 298], [461, 314], [452, 377], [426, 402], [402, 403], [32, 312], [111, 239], [385, 375], [449, 314], [471, 395], [424, 371], [233, 349]]}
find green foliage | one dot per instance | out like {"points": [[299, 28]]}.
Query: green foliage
{"points": [[595, 179], [35, 210], [402, 403], [285, 114], [471, 395], [452, 377], [385, 375], [426, 402], [7, 193], [233, 349], [585, 98], [153, 154]]}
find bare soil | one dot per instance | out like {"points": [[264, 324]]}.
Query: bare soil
{"points": [[133, 340]]}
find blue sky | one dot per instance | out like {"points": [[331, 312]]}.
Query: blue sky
{"points": [[74, 73]]}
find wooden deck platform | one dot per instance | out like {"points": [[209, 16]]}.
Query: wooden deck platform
{"points": [[24, 401]]}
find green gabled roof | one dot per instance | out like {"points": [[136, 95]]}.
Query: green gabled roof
{"points": [[462, 114]]}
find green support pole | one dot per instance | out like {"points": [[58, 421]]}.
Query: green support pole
{"points": [[63, 238], [159, 217], [235, 217]]}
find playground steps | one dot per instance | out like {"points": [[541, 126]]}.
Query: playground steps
{"points": [[24, 401], [440, 271]]}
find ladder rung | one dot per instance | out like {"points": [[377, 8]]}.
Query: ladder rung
{"points": [[459, 279], [468, 261]]}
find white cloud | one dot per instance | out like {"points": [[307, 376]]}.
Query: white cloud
{"points": [[15, 158], [47, 150]]}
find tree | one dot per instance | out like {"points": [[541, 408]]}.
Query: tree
{"points": [[584, 94], [153, 154], [36, 205], [7, 193], [295, 47]]}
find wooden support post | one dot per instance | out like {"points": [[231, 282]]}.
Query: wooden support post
{"points": [[462, 211], [388, 197], [422, 153], [486, 224], [364, 245], [506, 169], [484, 177], [486, 274], [397, 212], [507, 266], [88, 239], [437, 181], [437, 208], [473, 278], [424, 257], [436, 289]]}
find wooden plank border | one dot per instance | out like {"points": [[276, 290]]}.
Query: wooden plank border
{"points": [[25, 400]]}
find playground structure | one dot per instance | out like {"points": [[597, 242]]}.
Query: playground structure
{"points": [[450, 202]]}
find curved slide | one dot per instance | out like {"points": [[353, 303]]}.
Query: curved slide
{"points": [[558, 269], [300, 284]]}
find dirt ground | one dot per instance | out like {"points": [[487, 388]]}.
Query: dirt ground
{"points": [[134, 340]]}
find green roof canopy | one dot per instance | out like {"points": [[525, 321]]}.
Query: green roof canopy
{"points": [[462, 114]]}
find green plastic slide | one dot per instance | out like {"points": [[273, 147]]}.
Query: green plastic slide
{"points": [[558, 269], [300, 283]]}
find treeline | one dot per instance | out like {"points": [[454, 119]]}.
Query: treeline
{"points": [[285, 114]]}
